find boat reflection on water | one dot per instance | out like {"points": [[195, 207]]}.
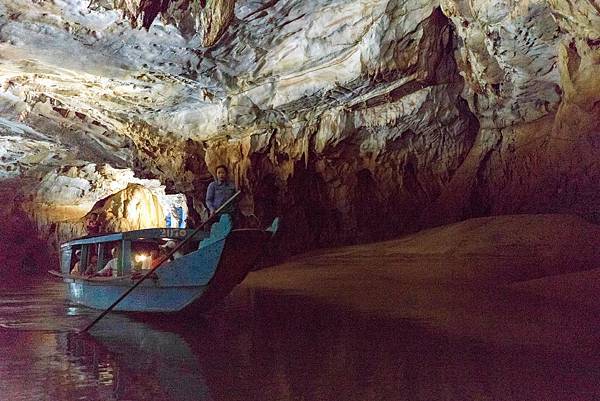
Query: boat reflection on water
{"points": [[137, 361], [264, 344]]}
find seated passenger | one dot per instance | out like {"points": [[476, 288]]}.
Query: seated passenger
{"points": [[168, 247], [111, 268], [91, 267], [148, 260], [75, 270]]}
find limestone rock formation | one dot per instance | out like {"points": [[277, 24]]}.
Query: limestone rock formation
{"points": [[65, 197], [544, 57], [353, 120], [132, 208], [209, 19], [496, 279], [22, 247]]}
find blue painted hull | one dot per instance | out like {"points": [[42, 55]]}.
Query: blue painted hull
{"points": [[142, 299], [195, 281]]}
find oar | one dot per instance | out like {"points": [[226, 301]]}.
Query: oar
{"points": [[159, 262]]}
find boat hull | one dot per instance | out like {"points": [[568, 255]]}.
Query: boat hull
{"points": [[195, 281], [142, 299], [240, 254]]}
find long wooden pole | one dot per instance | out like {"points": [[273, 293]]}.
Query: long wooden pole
{"points": [[159, 263]]}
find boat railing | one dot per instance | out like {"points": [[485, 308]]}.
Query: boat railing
{"points": [[218, 231]]}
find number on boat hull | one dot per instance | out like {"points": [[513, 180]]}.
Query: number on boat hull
{"points": [[173, 232]]}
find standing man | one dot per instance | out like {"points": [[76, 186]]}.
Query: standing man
{"points": [[219, 191], [92, 224], [93, 227]]}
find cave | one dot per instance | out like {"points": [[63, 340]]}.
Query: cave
{"points": [[433, 165]]}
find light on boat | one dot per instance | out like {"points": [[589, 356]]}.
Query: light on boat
{"points": [[140, 257]]}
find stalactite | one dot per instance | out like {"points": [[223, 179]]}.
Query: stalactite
{"points": [[211, 18]]}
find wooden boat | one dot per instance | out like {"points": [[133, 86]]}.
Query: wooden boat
{"points": [[213, 265]]}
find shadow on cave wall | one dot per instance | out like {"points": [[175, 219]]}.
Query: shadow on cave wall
{"points": [[23, 250]]}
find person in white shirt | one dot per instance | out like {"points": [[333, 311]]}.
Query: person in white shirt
{"points": [[75, 270], [168, 247], [111, 267]]}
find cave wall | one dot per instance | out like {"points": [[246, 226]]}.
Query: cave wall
{"points": [[510, 127], [355, 121], [538, 107], [356, 162], [23, 248]]}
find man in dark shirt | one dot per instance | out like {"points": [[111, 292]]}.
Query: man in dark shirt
{"points": [[219, 191]]}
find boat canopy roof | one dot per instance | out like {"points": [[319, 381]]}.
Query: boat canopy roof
{"points": [[149, 233]]}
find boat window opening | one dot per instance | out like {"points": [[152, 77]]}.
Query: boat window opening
{"points": [[75, 261], [103, 251], [65, 260], [84, 257], [168, 244], [89, 265], [143, 253], [105, 255]]}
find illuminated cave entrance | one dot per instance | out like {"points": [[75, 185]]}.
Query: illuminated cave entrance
{"points": [[137, 207]]}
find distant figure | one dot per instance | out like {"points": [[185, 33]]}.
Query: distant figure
{"points": [[92, 224], [219, 191], [181, 216], [75, 270], [92, 266], [112, 266], [176, 217]]}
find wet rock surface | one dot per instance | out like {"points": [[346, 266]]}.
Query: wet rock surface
{"points": [[518, 279], [356, 121], [56, 206]]}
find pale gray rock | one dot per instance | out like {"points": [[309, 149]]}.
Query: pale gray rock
{"points": [[354, 119], [507, 55]]}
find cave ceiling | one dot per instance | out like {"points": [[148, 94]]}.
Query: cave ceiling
{"points": [[78, 78], [424, 94]]}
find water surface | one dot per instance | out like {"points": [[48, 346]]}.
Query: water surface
{"points": [[263, 345]]}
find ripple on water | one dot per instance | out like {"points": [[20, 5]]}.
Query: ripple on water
{"points": [[40, 307]]}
